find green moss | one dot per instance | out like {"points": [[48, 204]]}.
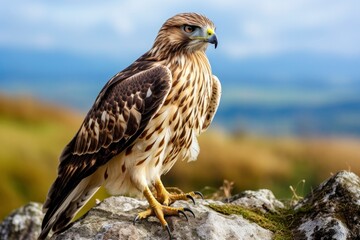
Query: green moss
{"points": [[279, 223]]}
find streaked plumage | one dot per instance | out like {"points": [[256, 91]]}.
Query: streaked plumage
{"points": [[145, 119]]}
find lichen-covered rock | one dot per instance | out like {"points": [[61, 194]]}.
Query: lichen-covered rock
{"points": [[262, 200], [23, 223], [113, 219], [331, 211]]}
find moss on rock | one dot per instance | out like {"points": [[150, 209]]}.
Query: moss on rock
{"points": [[279, 222]]}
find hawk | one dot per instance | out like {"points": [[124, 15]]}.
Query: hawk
{"points": [[145, 118]]}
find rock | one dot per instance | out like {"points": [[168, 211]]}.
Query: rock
{"points": [[113, 219], [23, 223], [262, 200], [331, 211]]}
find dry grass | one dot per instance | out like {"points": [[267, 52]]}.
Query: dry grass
{"points": [[33, 135], [254, 162]]}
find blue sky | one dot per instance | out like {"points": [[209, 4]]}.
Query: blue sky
{"points": [[299, 53], [246, 29], [284, 41]]}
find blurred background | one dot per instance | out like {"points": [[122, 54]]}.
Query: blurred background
{"points": [[290, 72]]}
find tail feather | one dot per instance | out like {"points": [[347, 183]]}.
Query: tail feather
{"points": [[58, 216], [66, 216]]}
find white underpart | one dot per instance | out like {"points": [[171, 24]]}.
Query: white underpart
{"points": [[138, 175], [194, 148]]}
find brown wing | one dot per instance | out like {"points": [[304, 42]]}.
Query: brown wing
{"points": [[118, 117]]}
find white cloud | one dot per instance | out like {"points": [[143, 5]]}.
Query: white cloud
{"points": [[296, 26], [245, 28]]}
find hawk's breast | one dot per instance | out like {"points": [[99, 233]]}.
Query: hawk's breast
{"points": [[179, 122], [172, 133]]}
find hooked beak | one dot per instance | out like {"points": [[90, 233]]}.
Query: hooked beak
{"points": [[213, 39], [208, 36]]}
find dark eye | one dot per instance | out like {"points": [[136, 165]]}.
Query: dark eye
{"points": [[188, 28]]}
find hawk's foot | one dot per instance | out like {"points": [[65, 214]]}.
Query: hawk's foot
{"points": [[160, 211], [166, 198], [170, 198]]}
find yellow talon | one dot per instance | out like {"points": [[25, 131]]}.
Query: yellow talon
{"points": [[160, 211], [166, 198]]}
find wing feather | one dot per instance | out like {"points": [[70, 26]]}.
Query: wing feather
{"points": [[213, 104], [119, 115]]}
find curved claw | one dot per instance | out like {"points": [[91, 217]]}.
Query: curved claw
{"points": [[168, 231], [199, 194], [190, 197], [136, 219], [183, 213], [189, 210]]}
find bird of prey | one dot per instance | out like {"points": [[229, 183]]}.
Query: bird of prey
{"points": [[145, 118]]}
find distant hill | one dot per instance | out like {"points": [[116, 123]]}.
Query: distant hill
{"points": [[296, 94], [33, 134], [30, 109], [326, 119]]}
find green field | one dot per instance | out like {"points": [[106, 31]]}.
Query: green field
{"points": [[33, 135]]}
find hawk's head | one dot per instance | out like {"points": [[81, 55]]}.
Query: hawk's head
{"points": [[186, 32]]}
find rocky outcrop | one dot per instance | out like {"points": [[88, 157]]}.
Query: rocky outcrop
{"points": [[23, 223], [331, 211], [262, 200], [113, 219]]}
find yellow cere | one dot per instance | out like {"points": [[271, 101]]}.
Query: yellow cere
{"points": [[210, 31]]}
